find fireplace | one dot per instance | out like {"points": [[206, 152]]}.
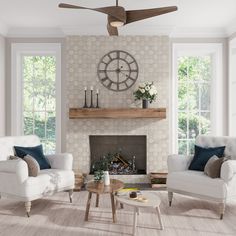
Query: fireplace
{"points": [[127, 153]]}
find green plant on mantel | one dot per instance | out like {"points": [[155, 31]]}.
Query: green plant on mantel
{"points": [[102, 165]]}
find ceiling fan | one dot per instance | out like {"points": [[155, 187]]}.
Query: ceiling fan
{"points": [[118, 16]]}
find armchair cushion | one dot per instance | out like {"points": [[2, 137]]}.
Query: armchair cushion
{"points": [[196, 182], [48, 181], [202, 155], [36, 152], [178, 163], [63, 161]]}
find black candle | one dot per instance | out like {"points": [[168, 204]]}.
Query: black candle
{"points": [[91, 104], [97, 106], [85, 98]]}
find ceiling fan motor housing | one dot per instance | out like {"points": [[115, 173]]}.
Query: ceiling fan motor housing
{"points": [[118, 17], [114, 22]]}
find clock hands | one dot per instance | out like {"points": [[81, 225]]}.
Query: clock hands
{"points": [[119, 70]]}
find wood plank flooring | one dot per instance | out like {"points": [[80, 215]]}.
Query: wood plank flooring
{"points": [[56, 216]]}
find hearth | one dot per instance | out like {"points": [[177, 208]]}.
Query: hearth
{"points": [[125, 154]]}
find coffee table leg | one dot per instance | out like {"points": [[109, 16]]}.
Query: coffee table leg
{"points": [[97, 200], [159, 217], [88, 206], [135, 221], [113, 207]]}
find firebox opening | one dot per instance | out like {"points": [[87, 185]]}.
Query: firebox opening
{"points": [[127, 153]]}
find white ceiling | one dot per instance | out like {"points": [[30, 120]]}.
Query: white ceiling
{"points": [[198, 18]]}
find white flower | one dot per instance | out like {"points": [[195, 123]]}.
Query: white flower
{"points": [[147, 87], [142, 90], [152, 91], [142, 85], [153, 86]]}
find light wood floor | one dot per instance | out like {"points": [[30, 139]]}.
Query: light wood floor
{"points": [[56, 216]]}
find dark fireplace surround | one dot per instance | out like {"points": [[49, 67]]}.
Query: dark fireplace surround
{"points": [[131, 148]]}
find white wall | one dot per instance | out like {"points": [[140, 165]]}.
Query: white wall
{"points": [[2, 86]]}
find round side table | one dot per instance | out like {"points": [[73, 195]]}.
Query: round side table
{"points": [[98, 189], [153, 202]]}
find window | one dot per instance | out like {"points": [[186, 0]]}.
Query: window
{"points": [[36, 93], [194, 86], [197, 94], [39, 99]]}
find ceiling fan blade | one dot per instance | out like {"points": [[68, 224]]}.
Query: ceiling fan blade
{"points": [[113, 31], [136, 15], [115, 11]]}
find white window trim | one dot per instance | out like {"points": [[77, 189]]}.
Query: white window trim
{"points": [[231, 88], [17, 51], [197, 49]]}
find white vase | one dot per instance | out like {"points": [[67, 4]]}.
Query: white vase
{"points": [[106, 178]]}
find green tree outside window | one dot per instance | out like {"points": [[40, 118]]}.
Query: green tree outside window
{"points": [[39, 99], [194, 85]]}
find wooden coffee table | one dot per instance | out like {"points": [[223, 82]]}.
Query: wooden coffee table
{"points": [[100, 188], [153, 202]]}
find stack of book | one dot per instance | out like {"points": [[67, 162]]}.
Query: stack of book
{"points": [[158, 180]]}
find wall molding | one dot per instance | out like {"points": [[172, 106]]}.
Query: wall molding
{"points": [[3, 29]]}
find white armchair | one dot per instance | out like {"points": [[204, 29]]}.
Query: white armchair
{"points": [[15, 181], [196, 183]]}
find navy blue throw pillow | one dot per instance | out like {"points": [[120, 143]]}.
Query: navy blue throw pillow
{"points": [[202, 155], [36, 152]]}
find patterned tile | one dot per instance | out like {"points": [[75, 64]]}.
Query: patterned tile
{"points": [[83, 55]]}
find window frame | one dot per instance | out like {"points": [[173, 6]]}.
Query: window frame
{"points": [[18, 50], [231, 88], [216, 107]]}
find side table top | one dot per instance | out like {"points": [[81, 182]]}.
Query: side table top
{"points": [[153, 200], [100, 188]]}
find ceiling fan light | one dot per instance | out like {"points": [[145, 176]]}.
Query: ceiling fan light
{"points": [[116, 23]]}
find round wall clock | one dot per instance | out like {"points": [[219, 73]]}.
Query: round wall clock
{"points": [[117, 70]]}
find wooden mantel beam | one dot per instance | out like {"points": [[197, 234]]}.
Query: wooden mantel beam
{"points": [[116, 113]]}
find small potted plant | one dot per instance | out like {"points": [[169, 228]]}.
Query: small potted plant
{"points": [[101, 167], [146, 92]]}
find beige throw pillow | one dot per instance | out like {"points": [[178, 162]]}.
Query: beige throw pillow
{"points": [[33, 166], [213, 166]]}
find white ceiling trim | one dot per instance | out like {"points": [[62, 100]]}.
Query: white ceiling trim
{"points": [[199, 33], [171, 31], [231, 29], [35, 33], [3, 29]]}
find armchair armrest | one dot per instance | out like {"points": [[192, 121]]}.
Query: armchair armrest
{"points": [[178, 163], [228, 170], [17, 167], [63, 161]]}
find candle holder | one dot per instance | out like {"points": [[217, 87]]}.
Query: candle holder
{"points": [[85, 99], [91, 104], [97, 106]]}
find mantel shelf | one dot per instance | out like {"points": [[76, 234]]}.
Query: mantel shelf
{"points": [[116, 113]]}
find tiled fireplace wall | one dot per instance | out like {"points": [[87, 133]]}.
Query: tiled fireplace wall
{"points": [[83, 54]]}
